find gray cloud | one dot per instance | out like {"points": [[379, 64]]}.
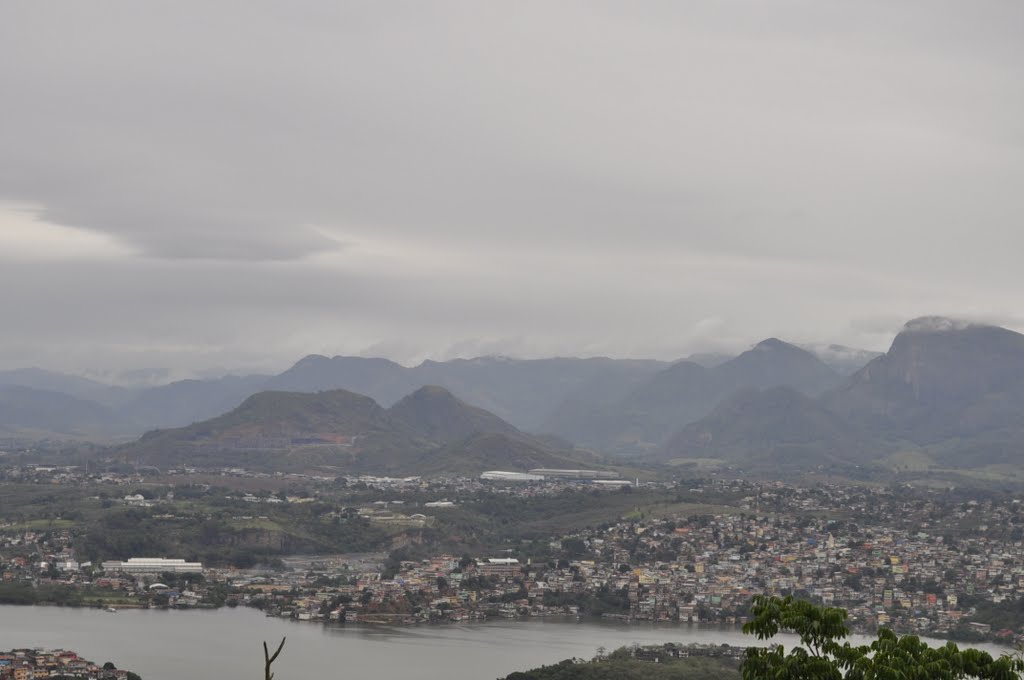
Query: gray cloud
{"points": [[433, 179]]}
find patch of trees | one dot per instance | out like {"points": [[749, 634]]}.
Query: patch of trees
{"points": [[824, 654], [692, 668], [21, 592]]}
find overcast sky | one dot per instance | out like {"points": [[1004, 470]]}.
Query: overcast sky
{"points": [[239, 183]]}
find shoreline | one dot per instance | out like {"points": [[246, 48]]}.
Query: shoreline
{"points": [[227, 644], [562, 619]]}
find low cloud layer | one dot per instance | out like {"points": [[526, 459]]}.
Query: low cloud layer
{"points": [[239, 183]]}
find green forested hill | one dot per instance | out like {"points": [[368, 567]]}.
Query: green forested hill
{"points": [[439, 416], [428, 432]]}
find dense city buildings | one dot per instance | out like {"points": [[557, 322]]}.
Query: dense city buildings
{"points": [[938, 562], [56, 664]]}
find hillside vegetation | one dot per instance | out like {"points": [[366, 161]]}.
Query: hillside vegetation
{"points": [[427, 432], [692, 668]]}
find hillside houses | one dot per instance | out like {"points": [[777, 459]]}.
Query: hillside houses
{"points": [[705, 569], [39, 664]]}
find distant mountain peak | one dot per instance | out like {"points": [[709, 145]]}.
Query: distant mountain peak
{"points": [[310, 360], [773, 344], [433, 392], [436, 413], [937, 324]]}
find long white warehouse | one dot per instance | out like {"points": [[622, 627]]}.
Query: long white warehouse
{"points": [[153, 565], [502, 475]]}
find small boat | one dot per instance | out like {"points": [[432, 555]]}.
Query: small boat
{"points": [[112, 610]]}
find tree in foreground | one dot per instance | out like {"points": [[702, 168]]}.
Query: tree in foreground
{"points": [[823, 653]]}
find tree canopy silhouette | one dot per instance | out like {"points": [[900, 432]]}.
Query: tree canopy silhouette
{"points": [[823, 653]]}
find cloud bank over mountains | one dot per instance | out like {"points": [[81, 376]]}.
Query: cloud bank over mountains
{"points": [[238, 184]]}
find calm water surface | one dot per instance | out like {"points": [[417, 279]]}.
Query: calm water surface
{"points": [[226, 644]]}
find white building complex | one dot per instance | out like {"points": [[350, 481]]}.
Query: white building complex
{"points": [[599, 477], [549, 473], [503, 476], [153, 565]]}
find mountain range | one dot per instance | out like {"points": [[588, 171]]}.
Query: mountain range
{"points": [[948, 390], [427, 432], [532, 394], [642, 419]]}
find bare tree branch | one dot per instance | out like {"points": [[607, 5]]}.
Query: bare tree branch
{"points": [[270, 659]]}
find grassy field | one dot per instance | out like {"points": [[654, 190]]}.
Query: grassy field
{"points": [[672, 509], [909, 461], [41, 525]]}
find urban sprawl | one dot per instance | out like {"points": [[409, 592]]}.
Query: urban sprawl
{"points": [[919, 561]]}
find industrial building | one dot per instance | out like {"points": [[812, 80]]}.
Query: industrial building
{"points": [[502, 476], [153, 565], [549, 473]]}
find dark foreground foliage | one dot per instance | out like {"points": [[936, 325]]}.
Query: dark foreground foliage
{"points": [[693, 668], [824, 655]]}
